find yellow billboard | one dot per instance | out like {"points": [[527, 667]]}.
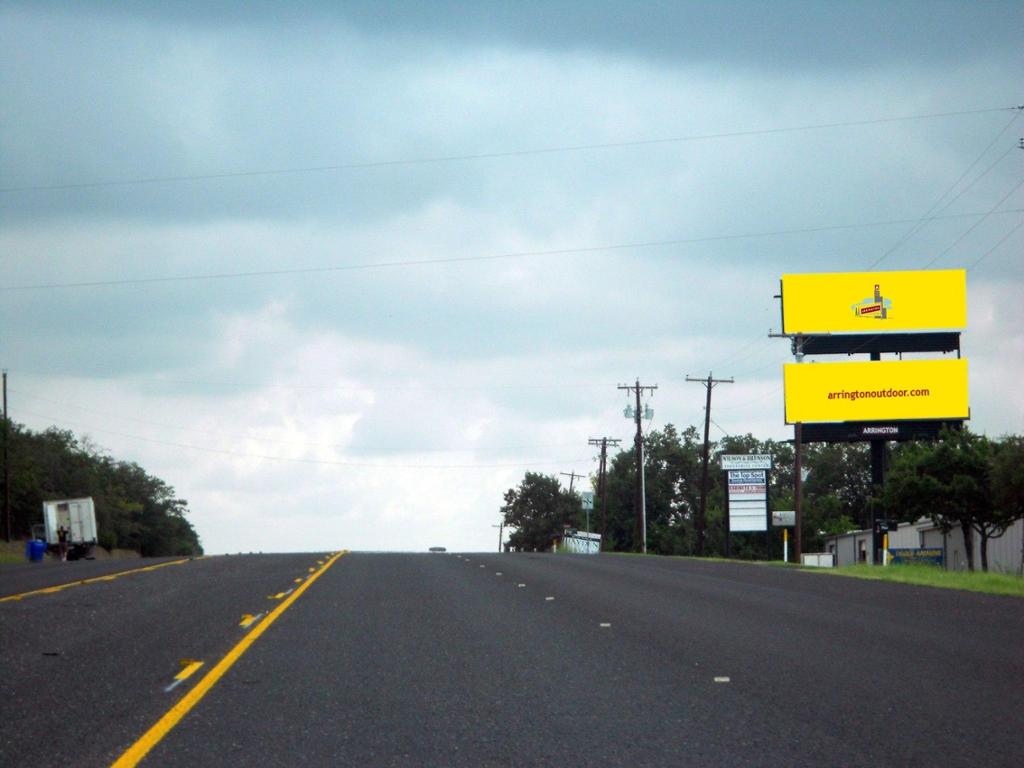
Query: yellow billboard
{"points": [[881, 390], [874, 302]]}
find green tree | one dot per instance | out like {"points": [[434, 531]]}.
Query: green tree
{"points": [[539, 510], [672, 480], [837, 492], [672, 484], [619, 520], [950, 481], [134, 510]]}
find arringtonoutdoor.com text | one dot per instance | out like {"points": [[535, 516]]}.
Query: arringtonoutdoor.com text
{"points": [[861, 394]]}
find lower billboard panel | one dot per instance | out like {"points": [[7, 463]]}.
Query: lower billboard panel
{"points": [[876, 391]]}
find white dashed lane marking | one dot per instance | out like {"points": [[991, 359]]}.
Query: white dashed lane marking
{"points": [[188, 668], [605, 624]]}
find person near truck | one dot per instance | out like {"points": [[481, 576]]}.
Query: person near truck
{"points": [[62, 543]]}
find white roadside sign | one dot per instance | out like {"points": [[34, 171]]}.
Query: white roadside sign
{"points": [[748, 500], [746, 461], [783, 518]]}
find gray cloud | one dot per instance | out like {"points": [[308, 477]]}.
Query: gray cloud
{"points": [[786, 35], [463, 362]]}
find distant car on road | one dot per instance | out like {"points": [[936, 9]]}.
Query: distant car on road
{"points": [[438, 549]]}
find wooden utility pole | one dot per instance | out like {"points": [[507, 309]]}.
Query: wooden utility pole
{"points": [[602, 471], [572, 476], [701, 526], [638, 442]]}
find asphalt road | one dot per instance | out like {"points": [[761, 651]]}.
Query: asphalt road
{"points": [[19, 578], [463, 660]]}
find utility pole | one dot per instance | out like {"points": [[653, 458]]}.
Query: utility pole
{"points": [[709, 383], [641, 501], [602, 469], [572, 476], [7, 466]]}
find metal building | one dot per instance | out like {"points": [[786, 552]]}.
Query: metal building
{"points": [[1004, 553]]}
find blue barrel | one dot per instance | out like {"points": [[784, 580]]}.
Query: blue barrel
{"points": [[35, 550]]}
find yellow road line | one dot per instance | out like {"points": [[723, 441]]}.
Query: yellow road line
{"points": [[188, 668], [93, 580], [173, 716], [248, 620]]}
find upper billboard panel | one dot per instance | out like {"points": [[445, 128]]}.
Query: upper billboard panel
{"points": [[876, 391], [874, 302]]}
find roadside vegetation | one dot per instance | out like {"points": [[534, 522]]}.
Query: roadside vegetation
{"points": [[134, 509], [13, 552], [933, 576], [965, 483]]}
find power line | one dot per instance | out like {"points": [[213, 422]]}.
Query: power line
{"points": [[720, 428], [327, 387], [751, 401], [1005, 237], [738, 353], [977, 224], [759, 368], [482, 155], [325, 462], [257, 439], [935, 206], [477, 258]]}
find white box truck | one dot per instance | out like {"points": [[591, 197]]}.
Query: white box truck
{"points": [[78, 517]]}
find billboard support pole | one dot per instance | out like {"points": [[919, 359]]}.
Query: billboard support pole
{"points": [[798, 468], [728, 524], [798, 490], [877, 483]]}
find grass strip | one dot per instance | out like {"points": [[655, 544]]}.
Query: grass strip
{"points": [[933, 576]]}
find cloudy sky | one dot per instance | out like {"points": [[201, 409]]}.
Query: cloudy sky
{"points": [[341, 272]]}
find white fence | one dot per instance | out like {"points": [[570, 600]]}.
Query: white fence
{"points": [[582, 543]]}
